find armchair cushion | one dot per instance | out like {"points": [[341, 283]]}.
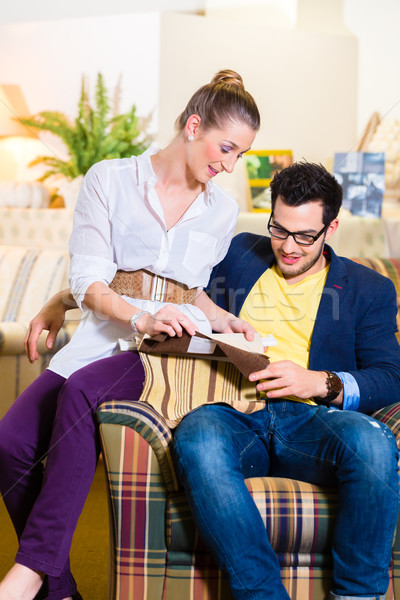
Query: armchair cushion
{"points": [[298, 516]]}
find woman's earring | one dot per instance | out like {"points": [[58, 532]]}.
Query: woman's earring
{"points": [[190, 138]]}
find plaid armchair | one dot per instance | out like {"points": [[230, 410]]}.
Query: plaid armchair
{"points": [[156, 553]]}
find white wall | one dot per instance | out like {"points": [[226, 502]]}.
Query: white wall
{"points": [[17, 11], [376, 25], [46, 46], [48, 59], [304, 83], [278, 13]]}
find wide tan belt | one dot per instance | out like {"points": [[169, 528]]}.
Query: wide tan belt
{"points": [[147, 286]]}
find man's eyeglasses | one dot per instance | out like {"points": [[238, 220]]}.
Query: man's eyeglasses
{"points": [[303, 239]]}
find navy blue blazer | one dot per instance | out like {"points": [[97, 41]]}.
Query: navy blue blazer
{"points": [[356, 319]]}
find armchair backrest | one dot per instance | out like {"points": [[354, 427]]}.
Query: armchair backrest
{"points": [[390, 267]]}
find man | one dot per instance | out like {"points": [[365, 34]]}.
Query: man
{"points": [[336, 357]]}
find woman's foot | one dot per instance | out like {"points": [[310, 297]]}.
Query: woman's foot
{"points": [[20, 583]]}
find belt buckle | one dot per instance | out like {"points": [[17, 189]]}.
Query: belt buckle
{"points": [[158, 294]]}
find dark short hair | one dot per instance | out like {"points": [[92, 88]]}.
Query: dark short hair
{"points": [[220, 102], [308, 182]]}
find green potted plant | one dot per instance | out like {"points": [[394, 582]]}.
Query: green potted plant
{"points": [[97, 133]]}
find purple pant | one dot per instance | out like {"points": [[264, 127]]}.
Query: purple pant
{"points": [[55, 418]]}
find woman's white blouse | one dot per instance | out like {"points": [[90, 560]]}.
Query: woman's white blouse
{"points": [[119, 224]]}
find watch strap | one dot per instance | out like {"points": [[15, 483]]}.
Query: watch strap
{"points": [[334, 385], [134, 320]]}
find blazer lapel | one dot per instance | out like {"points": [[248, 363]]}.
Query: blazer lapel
{"points": [[329, 307]]}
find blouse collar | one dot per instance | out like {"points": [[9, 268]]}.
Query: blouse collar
{"points": [[146, 174]]}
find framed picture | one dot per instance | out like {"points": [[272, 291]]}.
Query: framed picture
{"points": [[261, 166], [362, 177]]}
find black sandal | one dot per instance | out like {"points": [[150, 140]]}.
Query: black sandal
{"points": [[44, 592]]}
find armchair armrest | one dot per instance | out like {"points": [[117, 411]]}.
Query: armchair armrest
{"points": [[390, 415], [137, 460], [147, 422]]}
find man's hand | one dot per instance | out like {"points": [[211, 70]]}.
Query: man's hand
{"points": [[51, 317], [286, 378], [168, 319]]}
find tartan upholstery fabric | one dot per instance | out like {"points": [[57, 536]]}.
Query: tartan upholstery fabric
{"points": [[289, 510], [151, 426], [156, 553], [390, 267], [390, 415], [137, 497], [176, 385]]}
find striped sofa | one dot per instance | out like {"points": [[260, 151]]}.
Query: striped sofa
{"points": [[28, 278], [155, 550]]}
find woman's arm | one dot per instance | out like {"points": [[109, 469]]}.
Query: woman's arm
{"points": [[221, 320], [106, 303], [51, 317]]}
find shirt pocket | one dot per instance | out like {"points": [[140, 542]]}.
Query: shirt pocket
{"points": [[200, 252]]}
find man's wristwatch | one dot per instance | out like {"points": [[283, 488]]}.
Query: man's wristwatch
{"points": [[135, 319], [334, 386]]}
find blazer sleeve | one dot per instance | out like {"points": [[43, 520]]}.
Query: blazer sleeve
{"points": [[377, 351]]}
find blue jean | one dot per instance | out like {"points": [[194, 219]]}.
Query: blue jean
{"points": [[56, 418], [216, 448]]}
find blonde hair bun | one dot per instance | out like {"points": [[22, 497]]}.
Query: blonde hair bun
{"points": [[221, 101], [229, 77]]}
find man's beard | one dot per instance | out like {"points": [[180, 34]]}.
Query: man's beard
{"points": [[290, 272]]}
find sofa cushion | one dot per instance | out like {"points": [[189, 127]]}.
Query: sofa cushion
{"points": [[28, 278], [36, 227]]}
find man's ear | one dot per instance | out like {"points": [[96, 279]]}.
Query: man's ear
{"points": [[192, 125], [333, 225]]}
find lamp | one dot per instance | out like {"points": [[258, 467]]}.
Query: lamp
{"points": [[18, 144], [12, 108]]}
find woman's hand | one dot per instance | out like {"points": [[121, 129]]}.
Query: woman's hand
{"points": [[222, 320], [168, 319], [106, 303], [236, 325], [51, 317]]}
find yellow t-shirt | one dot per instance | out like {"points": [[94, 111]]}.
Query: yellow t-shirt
{"points": [[288, 311]]}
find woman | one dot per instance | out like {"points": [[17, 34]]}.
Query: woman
{"points": [[160, 217]]}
